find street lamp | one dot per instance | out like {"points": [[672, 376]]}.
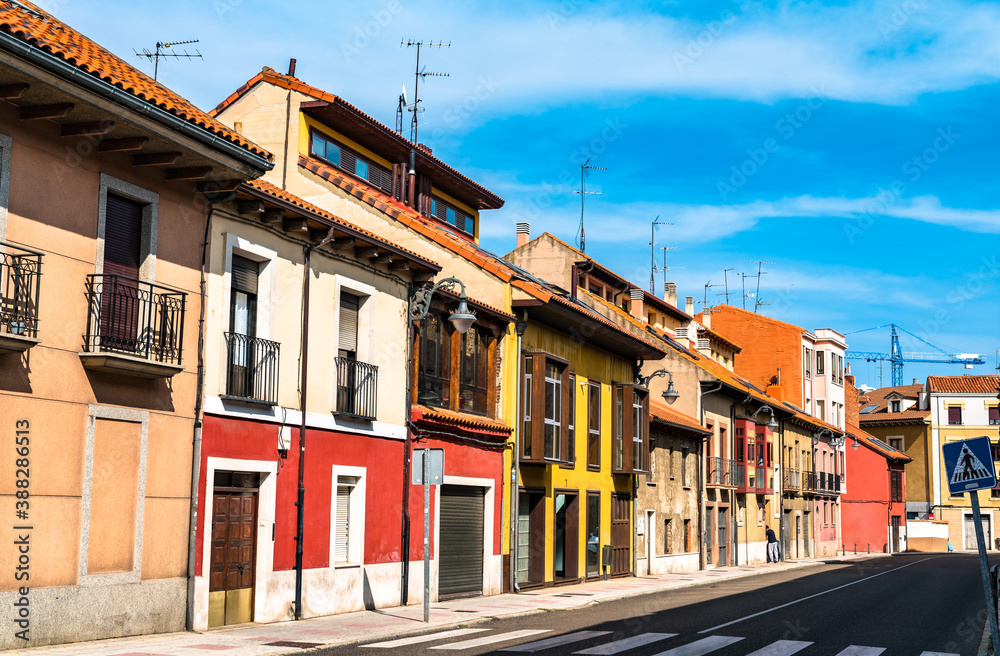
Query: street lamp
{"points": [[462, 319], [773, 424], [825, 432], [855, 438], [671, 394]]}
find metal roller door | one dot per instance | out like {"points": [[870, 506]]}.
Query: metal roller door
{"points": [[460, 569]]}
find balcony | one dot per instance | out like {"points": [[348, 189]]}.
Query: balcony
{"points": [[133, 327], [792, 479], [723, 472], [20, 272], [809, 481], [251, 369], [357, 388]]}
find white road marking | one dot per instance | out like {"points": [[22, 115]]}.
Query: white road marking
{"points": [[557, 641], [812, 596], [855, 650], [489, 640], [701, 647], [402, 642], [937, 653], [618, 646], [781, 648]]}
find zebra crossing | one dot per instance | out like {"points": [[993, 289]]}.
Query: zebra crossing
{"points": [[462, 639]]}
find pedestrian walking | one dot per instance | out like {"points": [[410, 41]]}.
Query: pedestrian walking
{"points": [[772, 545]]}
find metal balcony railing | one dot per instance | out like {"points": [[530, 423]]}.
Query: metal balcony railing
{"points": [[357, 388], [809, 481], [252, 368], [822, 481], [134, 318], [723, 472], [20, 273], [792, 479]]}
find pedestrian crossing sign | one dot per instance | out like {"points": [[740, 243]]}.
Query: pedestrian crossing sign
{"points": [[969, 464]]}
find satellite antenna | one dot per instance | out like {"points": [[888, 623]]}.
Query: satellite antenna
{"points": [[581, 236], [652, 253], [760, 272], [159, 54], [419, 73]]}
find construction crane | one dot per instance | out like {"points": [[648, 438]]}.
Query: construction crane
{"points": [[897, 357]]}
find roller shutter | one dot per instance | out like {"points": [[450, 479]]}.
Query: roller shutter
{"points": [[461, 544]]}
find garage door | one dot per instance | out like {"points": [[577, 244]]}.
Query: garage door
{"points": [[460, 570]]}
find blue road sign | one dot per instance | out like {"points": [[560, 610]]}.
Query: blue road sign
{"points": [[969, 465]]}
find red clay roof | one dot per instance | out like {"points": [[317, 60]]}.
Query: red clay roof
{"points": [[664, 414], [881, 414], [440, 418], [39, 29], [272, 76], [986, 384], [877, 445]]}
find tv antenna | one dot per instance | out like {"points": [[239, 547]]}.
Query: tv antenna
{"points": [[760, 272], [418, 74], [400, 108], [652, 253], [666, 268], [581, 236], [159, 53], [708, 285]]}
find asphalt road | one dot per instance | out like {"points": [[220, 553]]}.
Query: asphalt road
{"points": [[902, 605]]}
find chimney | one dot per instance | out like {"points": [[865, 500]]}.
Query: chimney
{"points": [[523, 233], [670, 293], [689, 305], [706, 319], [916, 381], [637, 307], [291, 67]]}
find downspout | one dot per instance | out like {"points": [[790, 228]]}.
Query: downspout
{"points": [[404, 538], [196, 441], [515, 465], [703, 490], [300, 502]]}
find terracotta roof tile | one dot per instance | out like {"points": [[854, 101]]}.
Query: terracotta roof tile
{"points": [[986, 384], [272, 76], [880, 398], [484, 425], [877, 445], [43, 31]]}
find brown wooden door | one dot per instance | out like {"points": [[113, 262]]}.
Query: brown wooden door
{"points": [[621, 534], [234, 539]]}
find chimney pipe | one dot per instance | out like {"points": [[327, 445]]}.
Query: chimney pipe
{"points": [[706, 318], [637, 307], [689, 305], [291, 67], [670, 293], [523, 233], [916, 381]]}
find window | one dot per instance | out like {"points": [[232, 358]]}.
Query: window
{"points": [[820, 360], [638, 432], [434, 374], [594, 424], [994, 493], [895, 486], [651, 476], [346, 159], [687, 536], [472, 379], [357, 381], [807, 358], [995, 450], [442, 211], [954, 415], [546, 381], [896, 443], [994, 412], [571, 419], [667, 538], [895, 406], [684, 473], [630, 425], [347, 524], [453, 369], [341, 543], [821, 409], [618, 415]]}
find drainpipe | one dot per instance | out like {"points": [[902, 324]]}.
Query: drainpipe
{"points": [[300, 502], [196, 441], [515, 465], [404, 540]]}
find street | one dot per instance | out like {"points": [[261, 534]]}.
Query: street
{"points": [[911, 604]]}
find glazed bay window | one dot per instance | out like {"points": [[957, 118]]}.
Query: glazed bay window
{"points": [[325, 148], [545, 436], [630, 429], [453, 369]]}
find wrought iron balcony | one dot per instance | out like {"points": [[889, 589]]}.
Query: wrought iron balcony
{"points": [[133, 327], [251, 369], [357, 388], [721, 471], [809, 481], [20, 273], [792, 479]]}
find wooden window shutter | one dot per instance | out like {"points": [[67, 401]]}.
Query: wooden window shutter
{"points": [[245, 273], [122, 236], [538, 408], [628, 430], [564, 421], [348, 327], [647, 451], [340, 538]]}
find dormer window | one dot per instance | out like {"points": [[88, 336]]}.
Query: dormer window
{"points": [[442, 211], [339, 155], [895, 406]]}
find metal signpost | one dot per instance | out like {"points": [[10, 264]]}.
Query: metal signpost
{"points": [[969, 465], [428, 469]]}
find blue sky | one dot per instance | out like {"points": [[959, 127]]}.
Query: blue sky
{"points": [[851, 144]]}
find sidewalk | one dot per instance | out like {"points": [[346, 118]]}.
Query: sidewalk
{"points": [[293, 637]]}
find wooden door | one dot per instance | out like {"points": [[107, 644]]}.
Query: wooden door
{"points": [[234, 545], [120, 301], [621, 534]]}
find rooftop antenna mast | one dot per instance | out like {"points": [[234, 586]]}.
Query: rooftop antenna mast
{"points": [[725, 275], [585, 168], [652, 254], [744, 277], [704, 303], [159, 54], [760, 272], [419, 73], [400, 108], [666, 268]]}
